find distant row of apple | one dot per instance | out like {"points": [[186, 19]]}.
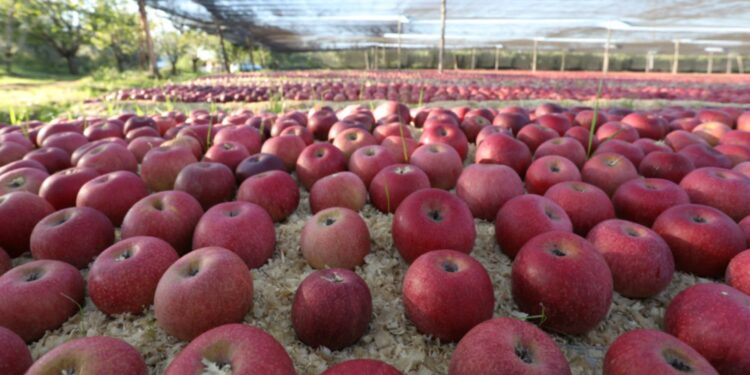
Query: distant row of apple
{"points": [[187, 245]]}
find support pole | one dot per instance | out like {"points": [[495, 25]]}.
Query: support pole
{"points": [[398, 49], [374, 58], [676, 57], [710, 68], [740, 65], [650, 61], [534, 55], [442, 35], [473, 58], [455, 61], [562, 61], [497, 58], [729, 63], [367, 60], [385, 57], [605, 63]]}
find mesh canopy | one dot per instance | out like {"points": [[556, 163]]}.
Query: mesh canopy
{"points": [[637, 25]]}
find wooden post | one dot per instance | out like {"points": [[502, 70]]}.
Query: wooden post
{"points": [[729, 63], [710, 68], [497, 58], [9, 38], [676, 57], [398, 49], [605, 63], [650, 61], [224, 57], [442, 35], [562, 60], [149, 42], [533, 56]]}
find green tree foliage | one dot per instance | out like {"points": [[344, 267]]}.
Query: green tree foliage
{"points": [[173, 45], [117, 31]]}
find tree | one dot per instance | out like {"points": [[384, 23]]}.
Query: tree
{"points": [[117, 31], [8, 42], [174, 45], [195, 42], [65, 25], [149, 42]]}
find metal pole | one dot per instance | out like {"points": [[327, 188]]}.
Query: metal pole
{"points": [[729, 63], [497, 58], [533, 56], [605, 64], [398, 50], [374, 58], [710, 68], [442, 35], [562, 61], [473, 58], [740, 65], [385, 57], [367, 60], [676, 58]]}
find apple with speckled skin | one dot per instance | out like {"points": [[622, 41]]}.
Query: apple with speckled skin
{"points": [[335, 237], [738, 272], [547, 278], [15, 357], [123, 277], [39, 296], [247, 349], [671, 166], [648, 351], [640, 260], [723, 189], [440, 162], [74, 235], [585, 204], [208, 182], [394, 183], [608, 171], [526, 216], [341, 189], [54, 159], [225, 225], [504, 149], [642, 200], [703, 239], [549, 170], [204, 289], [566, 147], [507, 346], [714, 319], [22, 179], [109, 157], [169, 215], [446, 293], [61, 189], [432, 219], [286, 147], [367, 161], [245, 135], [317, 161], [331, 308], [19, 213], [161, 165], [446, 133], [275, 191], [97, 194], [486, 187], [5, 262], [91, 355]]}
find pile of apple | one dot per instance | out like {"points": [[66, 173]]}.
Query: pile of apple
{"points": [[429, 86], [182, 208]]}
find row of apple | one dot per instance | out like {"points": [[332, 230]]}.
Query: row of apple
{"points": [[568, 193], [425, 87]]}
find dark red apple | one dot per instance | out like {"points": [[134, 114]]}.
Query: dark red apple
{"points": [[671, 166], [642, 200], [208, 182], [503, 149], [22, 179], [440, 162], [486, 187], [394, 183], [15, 357], [724, 189], [258, 163], [362, 366], [61, 188], [161, 166], [317, 161], [738, 272], [585, 204], [549, 170], [608, 171], [91, 355], [524, 217], [98, 194]]}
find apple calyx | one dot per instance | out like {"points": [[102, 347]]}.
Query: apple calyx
{"points": [[33, 275], [125, 255], [523, 353], [334, 278], [450, 266], [435, 215], [17, 182], [676, 361]]}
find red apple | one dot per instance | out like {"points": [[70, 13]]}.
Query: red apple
{"points": [[258, 163], [524, 217], [647, 127], [703, 239], [645, 351], [561, 276], [245, 135], [394, 183], [123, 278], [15, 357], [39, 296], [642, 200], [472, 125], [641, 262], [22, 179], [486, 187], [245, 349], [714, 319], [446, 293], [320, 123], [585, 204], [431, 219], [393, 129], [448, 134], [61, 188], [704, 156], [19, 213], [367, 161], [667, 165], [161, 166], [54, 159], [503, 149], [350, 140], [275, 191], [286, 147], [507, 346], [18, 164], [228, 153], [5, 262], [10, 152], [400, 148], [142, 145], [724, 189], [341, 189], [440, 162], [582, 136], [566, 147], [97, 194], [549, 170], [169, 215], [554, 121], [74, 235], [208, 182], [331, 308], [608, 171], [335, 237], [91, 355], [204, 289], [738, 272], [224, 225], [317, 161], [109, 157]]}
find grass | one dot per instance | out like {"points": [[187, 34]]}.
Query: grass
{"points": [[44, 96]]}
